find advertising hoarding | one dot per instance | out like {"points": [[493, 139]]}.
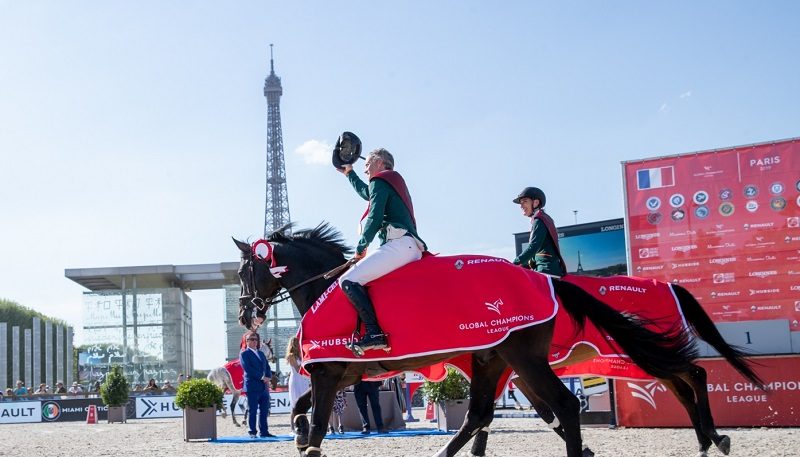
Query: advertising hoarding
{"points": [[725, 224], [734, 400]]}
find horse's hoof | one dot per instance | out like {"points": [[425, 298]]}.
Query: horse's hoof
{"points": [[702, 454], [587, 453], [724, 445]]}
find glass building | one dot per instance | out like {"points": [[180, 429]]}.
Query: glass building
{"points": [[141, 318], [147, 331]]}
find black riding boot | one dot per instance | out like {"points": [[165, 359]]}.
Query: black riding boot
{"points": [[374, 338]]}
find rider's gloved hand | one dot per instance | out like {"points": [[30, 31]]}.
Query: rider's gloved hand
{"points": [[517, 262], [360, 255]]}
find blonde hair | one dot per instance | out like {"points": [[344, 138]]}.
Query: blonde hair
{"points": [[293, 349]]}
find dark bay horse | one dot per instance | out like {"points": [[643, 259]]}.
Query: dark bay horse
{"points": [[308, 254], [690, 387]]}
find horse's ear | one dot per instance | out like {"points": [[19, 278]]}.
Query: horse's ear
{"points": [[244, 247]]}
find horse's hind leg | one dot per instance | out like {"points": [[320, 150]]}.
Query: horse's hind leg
{"points": [[546, 414], [234, 403], [526, 351], [692, 391], [487, 368]]}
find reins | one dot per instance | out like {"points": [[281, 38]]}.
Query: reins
{"points": [[262, 305]]}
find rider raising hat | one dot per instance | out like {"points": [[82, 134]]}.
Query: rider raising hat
{"points": [[390, 215], [542, 253]]}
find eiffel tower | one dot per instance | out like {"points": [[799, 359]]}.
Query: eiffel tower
{"points": [[276, 213]]}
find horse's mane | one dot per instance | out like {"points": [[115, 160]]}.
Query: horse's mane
{"points": [[323, 235]]}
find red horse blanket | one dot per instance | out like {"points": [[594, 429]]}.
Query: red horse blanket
{"points": [[647, 298], [434, 305], [473, 302]]}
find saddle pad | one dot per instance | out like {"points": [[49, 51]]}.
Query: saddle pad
{"points": [[434, 305]]}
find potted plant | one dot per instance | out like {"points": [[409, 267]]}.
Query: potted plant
{"points": [[114, 393], [200, 399], [450, 397]]}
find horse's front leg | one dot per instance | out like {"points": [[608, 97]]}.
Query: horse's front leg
{"points": [[487, 368], [299, 420], [325, 378]]}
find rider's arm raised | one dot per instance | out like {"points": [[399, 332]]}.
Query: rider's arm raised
{"points": [[360, 186]]}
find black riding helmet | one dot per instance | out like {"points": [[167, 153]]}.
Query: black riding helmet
{"points": [[534, 193], [347, 150]]}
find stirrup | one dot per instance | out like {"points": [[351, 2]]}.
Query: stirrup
{"points": [[369, 342]]}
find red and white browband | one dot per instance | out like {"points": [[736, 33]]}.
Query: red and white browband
{"points": [[263, 251]]}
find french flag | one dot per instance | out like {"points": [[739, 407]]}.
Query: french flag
{"points": [[653, 178]]}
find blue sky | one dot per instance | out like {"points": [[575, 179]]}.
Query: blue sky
{"points": [[133, 133]]}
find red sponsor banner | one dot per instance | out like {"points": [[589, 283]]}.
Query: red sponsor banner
{"points": [[734, 400], [725, 224]]}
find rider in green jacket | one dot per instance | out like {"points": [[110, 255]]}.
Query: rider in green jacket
{"points": [[542, 253]]}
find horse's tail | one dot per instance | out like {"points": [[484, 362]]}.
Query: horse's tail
{"points": [[704, 327], [659, 354]]}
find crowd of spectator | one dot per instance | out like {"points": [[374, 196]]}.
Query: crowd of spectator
{"points": [[20, 391]]}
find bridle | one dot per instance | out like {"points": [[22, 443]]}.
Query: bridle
{"points": [[250, 292]]}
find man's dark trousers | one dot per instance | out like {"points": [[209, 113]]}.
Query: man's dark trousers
{"points": [[362, 391], [259, 404]]}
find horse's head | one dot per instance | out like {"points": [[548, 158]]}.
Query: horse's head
{"points": [[301, 260], [259, 287], [266, 347]]}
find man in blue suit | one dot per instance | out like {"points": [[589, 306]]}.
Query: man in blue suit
{"points": [[256, 383]]}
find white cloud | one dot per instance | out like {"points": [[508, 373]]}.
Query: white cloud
{"points": [[663, 108], [686, 94], [315, 152]]}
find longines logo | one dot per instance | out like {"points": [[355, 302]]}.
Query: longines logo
{"points": [[762, 274], [722, 260], [684, 248], [647, 392], [647, 236]]}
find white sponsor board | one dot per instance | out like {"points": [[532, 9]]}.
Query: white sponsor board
{"points": [[152, 407], [20, 412]]}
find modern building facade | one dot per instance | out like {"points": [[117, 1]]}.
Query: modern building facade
{"points": [[141, 317], [34, 353]]}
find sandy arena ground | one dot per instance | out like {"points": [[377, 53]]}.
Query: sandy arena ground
{"points": [[510, 437]]}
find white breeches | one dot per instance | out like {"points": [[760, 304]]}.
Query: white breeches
{"points": [[389, 257]]}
